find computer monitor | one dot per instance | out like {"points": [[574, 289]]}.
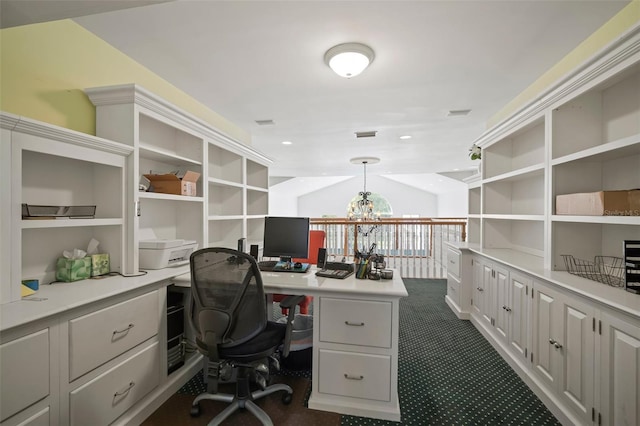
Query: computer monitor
{"points": [[286, 237]]}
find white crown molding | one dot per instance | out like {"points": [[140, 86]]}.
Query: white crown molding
{"points": [[624, 50], [49, 131], [136, 94]]}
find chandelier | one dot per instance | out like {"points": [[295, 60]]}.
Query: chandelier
{"points": [[361, 209]]}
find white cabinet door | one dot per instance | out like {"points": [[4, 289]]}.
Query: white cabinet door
{"points": [[24, 364], [546, 328], [564, 348], [576, 345], [501, 312], [620, 371], [488, 294], [478, 296], [518, 311]]}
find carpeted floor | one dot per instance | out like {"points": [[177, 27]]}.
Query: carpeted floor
{"points": [[448, 375]]}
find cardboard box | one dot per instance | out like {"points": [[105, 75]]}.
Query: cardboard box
{"points": [[180, 183], [68, 270], [601, 203]]}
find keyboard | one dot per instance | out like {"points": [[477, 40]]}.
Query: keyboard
{"points": [[334, 273], [267, 265]]}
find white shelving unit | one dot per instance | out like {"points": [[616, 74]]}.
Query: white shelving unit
{"points": [[71, 327], [54, 166], [561, 332], [232, 192]]}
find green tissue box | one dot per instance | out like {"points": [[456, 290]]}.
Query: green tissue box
{"points": [[100, 264], [68, 270]]}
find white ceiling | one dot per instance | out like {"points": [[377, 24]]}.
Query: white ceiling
{"points": [[263, 60]]}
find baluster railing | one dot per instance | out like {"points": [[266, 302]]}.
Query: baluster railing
{"points": [[414, 246]]}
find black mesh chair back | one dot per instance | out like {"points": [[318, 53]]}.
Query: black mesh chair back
{"points": [[228, 299]]}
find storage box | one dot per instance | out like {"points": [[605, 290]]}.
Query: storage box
{"points": [[68, 270], [179, 183], [601, 203]]}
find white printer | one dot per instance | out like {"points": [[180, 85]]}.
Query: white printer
{"points": [[163, 253]]}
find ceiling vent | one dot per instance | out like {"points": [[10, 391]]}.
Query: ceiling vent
{"points": [[369, 134], [265, 122], [458, 112]]}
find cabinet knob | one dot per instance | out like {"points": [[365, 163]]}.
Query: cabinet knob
{"points": [[507, 309], [557, 345], [552, 342]]}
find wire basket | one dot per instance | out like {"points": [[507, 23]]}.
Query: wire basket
{"points": [[605, 269]]}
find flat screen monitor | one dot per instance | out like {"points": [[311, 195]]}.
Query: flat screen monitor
{"points": [[286, 237]]}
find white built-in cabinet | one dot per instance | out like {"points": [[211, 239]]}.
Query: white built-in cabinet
{"points": [[95, 351], [574, 341], [53, 166], [232, 192]]}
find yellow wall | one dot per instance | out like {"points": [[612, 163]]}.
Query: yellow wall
{"points": [[623, 21], [44, 69]]}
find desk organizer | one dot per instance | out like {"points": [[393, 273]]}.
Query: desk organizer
{"points": [[605, 269]]}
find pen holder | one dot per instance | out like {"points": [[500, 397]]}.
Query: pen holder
{"points": [[362, 270]]}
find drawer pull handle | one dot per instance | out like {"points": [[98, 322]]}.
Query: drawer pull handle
{"points": [[355, 324], [126, 390], [129, 327], [350, 377]]}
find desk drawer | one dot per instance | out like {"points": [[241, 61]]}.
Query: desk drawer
{"points": [[24, 370], [103, 335], [453, 262], [453, 287], [106, 397], [355, 375], [355, 322]]}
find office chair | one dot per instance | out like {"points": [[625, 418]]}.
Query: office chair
{"points": [[229, 316], [316, 241]]}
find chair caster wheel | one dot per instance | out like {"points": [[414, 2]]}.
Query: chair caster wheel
{"points": [[286, 398], [195, 410]]}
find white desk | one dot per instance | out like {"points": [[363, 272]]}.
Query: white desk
{"points": [[355, 340]]}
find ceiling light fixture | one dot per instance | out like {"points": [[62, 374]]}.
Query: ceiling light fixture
{"points": [[349, 59], [405, 137], [287, 142]]}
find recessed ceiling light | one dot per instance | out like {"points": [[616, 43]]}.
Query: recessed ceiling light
{"points": [[405, 137], [287, 143]]}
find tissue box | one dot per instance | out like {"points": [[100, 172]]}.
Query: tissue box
{"points": [[100, 264], [68, 270]]}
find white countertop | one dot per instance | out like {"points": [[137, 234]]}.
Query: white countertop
{"points": [[310, 284], [53, 299], [614, 297]]}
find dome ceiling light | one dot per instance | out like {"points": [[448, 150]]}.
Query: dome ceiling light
{"points": [[349, 59]]}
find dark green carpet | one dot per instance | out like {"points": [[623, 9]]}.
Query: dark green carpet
{"points": [[449, 374]]}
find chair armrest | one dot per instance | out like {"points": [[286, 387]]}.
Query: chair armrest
{"points": [[291, 301]]}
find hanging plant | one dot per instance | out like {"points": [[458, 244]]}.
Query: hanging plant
{"points": [[475, 152]]}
